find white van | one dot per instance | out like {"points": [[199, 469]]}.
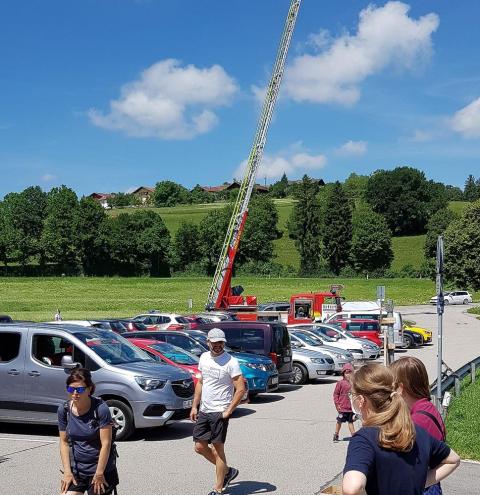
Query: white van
{"points": [[368, 310]]}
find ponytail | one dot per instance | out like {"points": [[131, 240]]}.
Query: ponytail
{"points": [[389, 412]]}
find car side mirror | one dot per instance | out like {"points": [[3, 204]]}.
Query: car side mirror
{"points": [[68, 363]]}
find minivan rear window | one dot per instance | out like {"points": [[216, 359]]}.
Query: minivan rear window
{"points": [[281, 339], [253, 340], [9, 346]]}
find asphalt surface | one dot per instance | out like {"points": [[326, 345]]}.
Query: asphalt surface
{"points": [[281, 442]]}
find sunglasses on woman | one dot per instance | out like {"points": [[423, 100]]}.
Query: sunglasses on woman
{"points": [[79, 390]]}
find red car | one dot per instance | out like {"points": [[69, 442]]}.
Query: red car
{"points": [[362, 328], [170, 354]]}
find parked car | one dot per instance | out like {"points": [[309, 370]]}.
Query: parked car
{"points": [[368, 329], [423, 332], [192, 322], [173, 337], [161, 321], [337, 340], [217, 316], [170, 354], [259, 338], [35, 360], [5, 319], [310, 341], [455, 297], [309, 365], [132, 326], [347, 341], [109, 324]]}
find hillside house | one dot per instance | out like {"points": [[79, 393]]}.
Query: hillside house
{"points": [[102, 198], [143, 194]]}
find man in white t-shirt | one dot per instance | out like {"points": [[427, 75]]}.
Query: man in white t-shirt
{"points": [[218, 392]]}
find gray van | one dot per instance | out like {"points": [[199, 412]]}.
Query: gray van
{"points": [[36, 359]]}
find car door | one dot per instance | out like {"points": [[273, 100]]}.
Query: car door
{"points": [[45, 379], [12, 373]]}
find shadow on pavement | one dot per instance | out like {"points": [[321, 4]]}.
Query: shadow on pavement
{"points": [[250, 487], [243, 411], [35, 430], [174, 431], [322, 381], [266, 398], [288, 387]]}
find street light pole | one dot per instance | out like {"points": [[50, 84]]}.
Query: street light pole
{"points": [[440, 309]]}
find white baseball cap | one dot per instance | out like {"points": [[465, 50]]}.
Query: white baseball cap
{"points": [[216, 335]]}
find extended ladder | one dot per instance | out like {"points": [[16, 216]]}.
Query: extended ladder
{"points": [[220, 289]]}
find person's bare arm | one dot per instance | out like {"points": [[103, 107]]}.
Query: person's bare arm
{"points": [[196, 400], [354, 483], [444, 469], [99, 482], [238, 396], [65, 457]]}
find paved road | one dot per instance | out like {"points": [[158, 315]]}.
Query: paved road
{"points": [[282, 442]]}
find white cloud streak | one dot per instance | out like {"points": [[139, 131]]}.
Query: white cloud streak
{"points": [[169, 101], [386, 37], [292, 162], [467, 120], [352, 148], [48, 178]]}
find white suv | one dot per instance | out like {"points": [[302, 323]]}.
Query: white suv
{"points": [[456, 297], [162, 321]]}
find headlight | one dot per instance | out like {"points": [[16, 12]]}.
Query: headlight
{"points": [[149, 383], [256, 366], [317, 360]]}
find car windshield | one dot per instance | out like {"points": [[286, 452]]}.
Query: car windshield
{"points": [[322, 335], [308, 339], [113, 348], [175, 354]]}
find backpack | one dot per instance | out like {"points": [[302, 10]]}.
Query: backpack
{"points": [[115, 427]]}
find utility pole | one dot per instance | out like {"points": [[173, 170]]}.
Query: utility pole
{"points": [[440, 309]]}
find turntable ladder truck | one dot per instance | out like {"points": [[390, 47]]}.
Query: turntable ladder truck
{"points": [[221, 296]]}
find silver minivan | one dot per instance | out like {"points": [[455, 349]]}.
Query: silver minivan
{"points": [[35, 360]]}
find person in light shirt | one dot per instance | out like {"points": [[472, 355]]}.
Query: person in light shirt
{"points": [[218, 392]]}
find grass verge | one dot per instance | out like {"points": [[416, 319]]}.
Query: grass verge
{"points": [[463, 422], [83, 297]]}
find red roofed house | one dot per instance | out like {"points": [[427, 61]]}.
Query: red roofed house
{"points": [[102, 198]]}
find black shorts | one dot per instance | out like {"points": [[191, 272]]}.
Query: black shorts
{"points": [[84, 483], [210, 427], [345, 417]]}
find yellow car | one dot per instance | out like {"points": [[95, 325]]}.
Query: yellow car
{"points": [[426, 334]]}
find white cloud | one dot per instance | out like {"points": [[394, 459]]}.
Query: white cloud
{"points": [[351, 148], [386, 36], [420, 136], [48, 177], [467, 120], [169, 101], [291, 162]]}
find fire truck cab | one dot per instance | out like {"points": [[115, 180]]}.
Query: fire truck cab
{"points": [[313, 306]]}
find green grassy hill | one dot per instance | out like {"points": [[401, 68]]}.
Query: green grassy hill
{"points": [[407, 250]]}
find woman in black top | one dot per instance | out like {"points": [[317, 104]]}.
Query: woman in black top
{"points": [[85, 426], [389, 455]]}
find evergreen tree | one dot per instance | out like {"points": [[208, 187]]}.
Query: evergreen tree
{"points": [[371, 241], [471, 191], [337, 238], [280, 188], [304, 226]]}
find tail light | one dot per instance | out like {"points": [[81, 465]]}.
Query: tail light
{"points": [[273, 356], [175, 326]]}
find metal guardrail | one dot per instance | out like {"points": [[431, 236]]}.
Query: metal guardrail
{"points": [[452, 380]]}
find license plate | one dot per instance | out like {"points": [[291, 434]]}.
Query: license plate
{"points": [[287, 359], [274, 380], [187, 403], [321, 372]]}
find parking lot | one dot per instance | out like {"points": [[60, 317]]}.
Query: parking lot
{"points": [[281, 442]]}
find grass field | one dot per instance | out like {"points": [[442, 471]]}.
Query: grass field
{"points": [[407, 250], [463, 422], [78, 298]]}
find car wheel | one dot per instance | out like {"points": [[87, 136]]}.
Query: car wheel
{"points": [[409, 342], [465, 301], [123, 416], [300, 374], [446, 302]]}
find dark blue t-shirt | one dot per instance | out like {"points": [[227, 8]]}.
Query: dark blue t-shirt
{"points": [[394, 473], [84, 432]]}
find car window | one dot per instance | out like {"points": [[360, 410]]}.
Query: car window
{"points": [[176, 354], [283, 307], [181, 341], [147, 320], [253, 340], [50, 349], [268, 308], [234, 338], [354, 326], [308, 339], [9, 346]]}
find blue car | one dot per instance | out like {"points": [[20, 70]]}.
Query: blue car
{"points": [[259, 371]]}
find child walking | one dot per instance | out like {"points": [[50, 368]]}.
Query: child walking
{"points": [[341, 399]]}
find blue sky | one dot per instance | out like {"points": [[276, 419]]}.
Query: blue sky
{"points": [[107, 95]]}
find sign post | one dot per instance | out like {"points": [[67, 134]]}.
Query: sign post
{"points": [[440, 309]]}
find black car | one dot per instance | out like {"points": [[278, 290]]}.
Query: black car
{"points": [[110, 324], [5, 319], [132, 325], [412, 339]]}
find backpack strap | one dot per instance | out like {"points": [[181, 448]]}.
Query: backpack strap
{"points": [[437, 423]]}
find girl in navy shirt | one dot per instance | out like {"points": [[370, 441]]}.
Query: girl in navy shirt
{"points": [[389, 455], [85, 426]]}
